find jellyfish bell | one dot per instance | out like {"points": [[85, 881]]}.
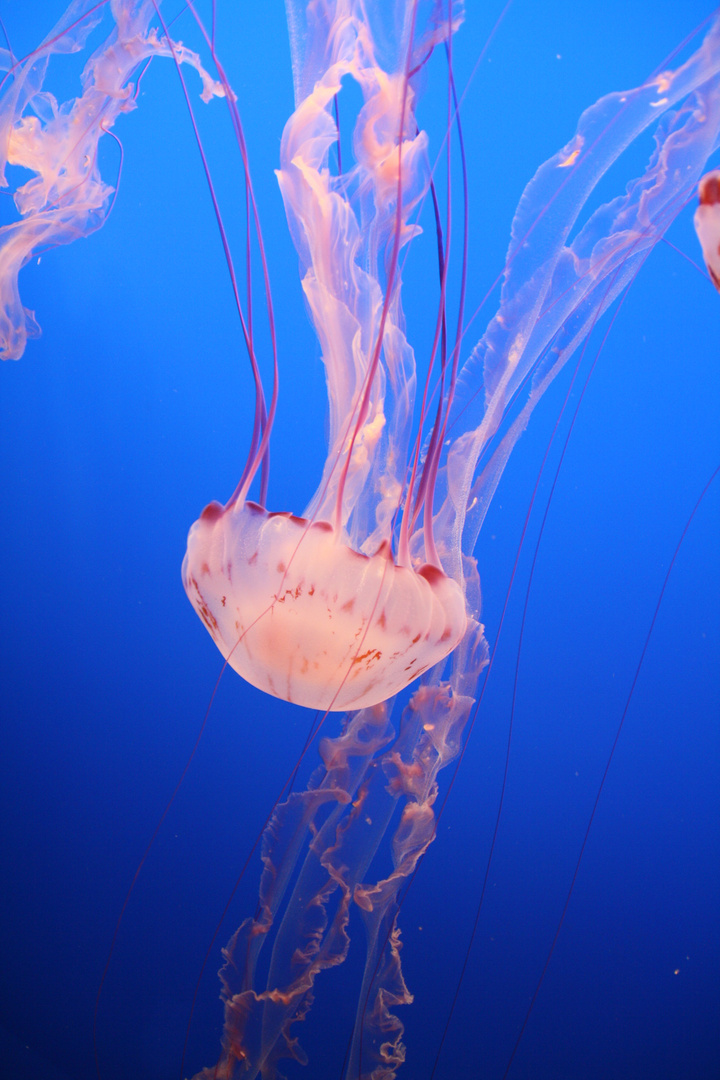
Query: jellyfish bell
{"points": [[301, 615], [707, 223], [315, 613]]}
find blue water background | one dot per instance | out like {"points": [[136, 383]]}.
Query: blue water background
{"points": [[133, 410]]}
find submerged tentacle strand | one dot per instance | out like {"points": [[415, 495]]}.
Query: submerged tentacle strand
{"points": [[66, 198]]}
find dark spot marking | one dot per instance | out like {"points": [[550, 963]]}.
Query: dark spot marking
{"points": [[368, 657], [212, 512], [205, 613], [432, 575], [710, 189]]}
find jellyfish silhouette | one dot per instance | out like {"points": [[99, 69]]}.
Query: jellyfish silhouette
{"points": [[372, 593]]}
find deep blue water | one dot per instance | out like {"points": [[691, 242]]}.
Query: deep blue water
{"points": [[133, 410]]}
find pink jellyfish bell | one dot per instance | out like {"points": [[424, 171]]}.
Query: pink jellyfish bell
{"points": [[316, 609], [301, 615], [707, 223]]}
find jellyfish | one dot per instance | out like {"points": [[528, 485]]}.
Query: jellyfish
{"points": [[707, 223], [324, 609], [371, 592]]}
